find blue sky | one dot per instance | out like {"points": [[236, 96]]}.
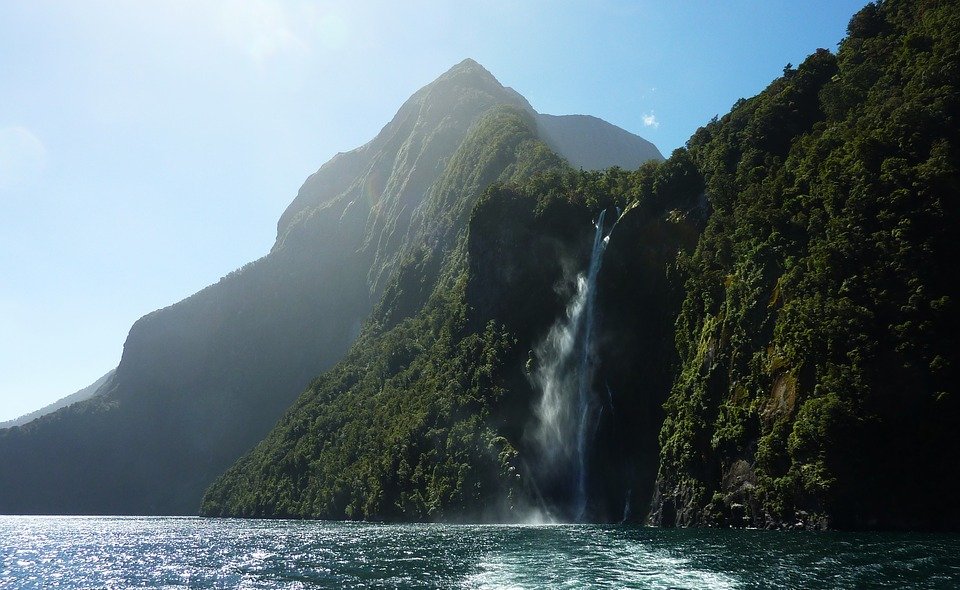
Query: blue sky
{"points": [[147, 148]]}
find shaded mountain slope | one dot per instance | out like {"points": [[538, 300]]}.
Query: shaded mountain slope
{"points": [[202, 381], [426, 417], [339, 451], [777, 325]]}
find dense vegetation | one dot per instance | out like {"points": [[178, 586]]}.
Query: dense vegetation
{"points": [[398, 427], [796, 352], [818, 335], [777, 327], [203, 380], [426, 416]]}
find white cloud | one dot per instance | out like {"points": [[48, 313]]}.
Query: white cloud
{"points": [[22, 157], [650, 120]]}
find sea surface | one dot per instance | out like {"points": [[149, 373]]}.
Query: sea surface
{"points": [[99, 552]]}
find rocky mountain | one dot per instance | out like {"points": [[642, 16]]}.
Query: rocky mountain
{"points": [[758, 331], [430, 417], [593, 144], [202, 381]]}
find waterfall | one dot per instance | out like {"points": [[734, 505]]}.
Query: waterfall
{"points": [[564, 376], [626, 507]]}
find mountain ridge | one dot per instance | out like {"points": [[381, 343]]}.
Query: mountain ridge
{"points": [[204, 379], [769, 342], [77, 396]]}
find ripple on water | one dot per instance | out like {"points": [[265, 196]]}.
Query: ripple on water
{"points": [[175, 553]]}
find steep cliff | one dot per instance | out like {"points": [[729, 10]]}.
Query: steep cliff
{"points": [[429, 415], [202, 381], [818, 335], [772, 335]]}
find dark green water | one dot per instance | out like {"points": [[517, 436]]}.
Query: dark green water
{"points": [[58, 552]]}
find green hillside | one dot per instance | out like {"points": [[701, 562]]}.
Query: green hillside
{"points": [[776, 336], [203, 380], [425, 418], [818, 332]]}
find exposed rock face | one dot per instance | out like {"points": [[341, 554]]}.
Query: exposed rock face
{"points": [[639, 298], [201, 381]]}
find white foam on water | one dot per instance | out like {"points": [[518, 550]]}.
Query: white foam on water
{"points": [[616, 565]]}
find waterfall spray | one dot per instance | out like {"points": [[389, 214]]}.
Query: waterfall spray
{"points": [[565, 379]]}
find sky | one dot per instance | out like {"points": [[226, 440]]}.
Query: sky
{"points": [[148, 148]]}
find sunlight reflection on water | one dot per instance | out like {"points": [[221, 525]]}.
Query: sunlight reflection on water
{"points": [[174, 553]]}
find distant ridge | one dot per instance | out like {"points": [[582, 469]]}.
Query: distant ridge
{"points": [[78, 396], [593, 144]]}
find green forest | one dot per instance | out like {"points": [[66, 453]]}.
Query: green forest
{"points": [[760, 329], [817, 335], [780, 327]]}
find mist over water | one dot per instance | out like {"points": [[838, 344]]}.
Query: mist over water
{"points": [[173, 553]]}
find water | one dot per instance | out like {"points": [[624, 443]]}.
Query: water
{"points": [[104, 552], [566, 411]]}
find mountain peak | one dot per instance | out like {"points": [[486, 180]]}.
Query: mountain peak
{"points": [[470, 66], [451, 103], [469, 73], [468, 63]]}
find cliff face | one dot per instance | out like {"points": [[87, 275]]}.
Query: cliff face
{"points": [[817, 337], [396, 430], [202, 381], [430, 414], [775, 301]]}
